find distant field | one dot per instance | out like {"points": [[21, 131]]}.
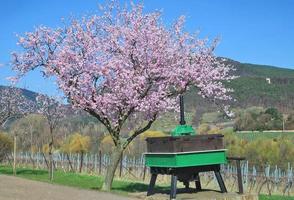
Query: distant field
{"points": [[264, 135]]}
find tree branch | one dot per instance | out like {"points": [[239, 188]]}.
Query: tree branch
{"points": [[139, 131]]}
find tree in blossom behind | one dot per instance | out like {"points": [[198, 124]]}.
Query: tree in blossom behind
{"points": [[123, 62], [53, 111], [14, 104]]}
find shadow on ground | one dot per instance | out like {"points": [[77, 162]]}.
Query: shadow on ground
{"points": [[133, 187], [31, 172]]}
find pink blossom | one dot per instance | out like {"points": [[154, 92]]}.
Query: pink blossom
{"points": [[124, 62], [14, 104]]}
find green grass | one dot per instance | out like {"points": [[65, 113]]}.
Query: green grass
{"points": [[250, 136], [275, 197], [77, 180], [95, 182]]}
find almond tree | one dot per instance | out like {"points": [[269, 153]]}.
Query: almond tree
{"points": [[123, 63], [53, 111], [13, 104]]}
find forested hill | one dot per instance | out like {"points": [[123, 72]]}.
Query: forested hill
{"points": [[250, 89], [30, 95], [257, 85], [254, 70], [260, 85]]}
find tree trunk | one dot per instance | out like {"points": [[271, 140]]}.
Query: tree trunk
{"points": [[51, 167], [69, 162], [45, 159], [32, 160], [115, 157], [51, 164], [81, 163], [9, 160], [14, 155], [32, 152]]}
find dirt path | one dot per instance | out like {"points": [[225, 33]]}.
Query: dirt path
{"points": [[13, 188]]}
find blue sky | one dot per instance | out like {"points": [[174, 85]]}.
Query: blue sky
{"points": [[252, 31]]}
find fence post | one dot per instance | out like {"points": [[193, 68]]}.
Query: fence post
{"points": [[95, 163], [144, 172], [240, 183], [121, 165], [100, 162]]}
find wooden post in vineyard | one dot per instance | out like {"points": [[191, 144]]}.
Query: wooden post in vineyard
{"points": [[14, 155], [121, 165], [100, 161], [144, 172], [95, 163]]}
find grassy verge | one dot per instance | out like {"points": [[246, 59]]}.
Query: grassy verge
{"points": [[76, 180], [94, 182], [275, 197]]}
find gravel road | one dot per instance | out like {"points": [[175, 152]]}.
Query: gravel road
{"points": [[14, 188]]}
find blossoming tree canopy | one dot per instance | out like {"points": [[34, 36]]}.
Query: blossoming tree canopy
{"points": [[122, 62], [52, 110], [14, 104]]}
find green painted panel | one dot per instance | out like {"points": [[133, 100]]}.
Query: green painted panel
{"points": [[160, 160], [181, 130], [185, 160]]}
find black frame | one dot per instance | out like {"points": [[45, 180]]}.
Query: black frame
{"points": [[185, 175]]}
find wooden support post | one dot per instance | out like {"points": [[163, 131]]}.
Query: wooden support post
{"points": [[121, 165], [14, 155], [100, 162], [95, 163], [239, 175], [151, 184], [144, 173]]}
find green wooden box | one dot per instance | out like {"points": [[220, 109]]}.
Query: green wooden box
{"points": [[186, 159]]}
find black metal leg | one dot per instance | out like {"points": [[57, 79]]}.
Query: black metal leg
{"points": [[173, 191], [220, 181], [187, 185], [151, 185], [198, 183]]}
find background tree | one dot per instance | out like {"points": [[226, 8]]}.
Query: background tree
{"points": [[203, 128], [276, 119], [121, 64], [289, 124], [13, 104], [258, 118], [106, 145], [6, 145], [77, 143], [138, 146], [32, 132], [53, 112]]}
